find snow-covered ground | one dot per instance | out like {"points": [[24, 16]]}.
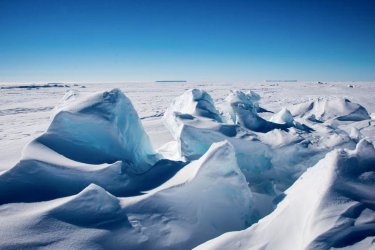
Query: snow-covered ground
{"points": [[25, 113], [175, 165]]}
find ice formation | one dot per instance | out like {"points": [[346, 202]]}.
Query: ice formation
{"points": [[322, 110], [110, 116], [195, 123], [99, 140], [93, 179], [261, 156], [175, 215], [192, 103], [330, 206], [283, 117], [243, 111]]}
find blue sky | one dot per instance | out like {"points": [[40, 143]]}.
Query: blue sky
{"points": [[221, 40]]}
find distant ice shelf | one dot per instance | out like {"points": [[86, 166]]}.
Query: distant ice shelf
{"points": [[170, 81]]}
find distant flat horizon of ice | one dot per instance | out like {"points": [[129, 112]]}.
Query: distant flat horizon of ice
{"points": [[25, 112]]}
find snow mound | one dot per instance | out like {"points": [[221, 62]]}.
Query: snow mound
{"points": [[220, 152], [321, 110], [52, 176], [243, 111], [110, 116], [184, 215], [280, 138], [203, 200], [98, 140], [329, 206], [261, 156], [283, 117], [92, 206]]}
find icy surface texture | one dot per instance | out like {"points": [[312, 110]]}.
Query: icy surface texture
{"points": [[103, 128], [283, 117], [92, 180], [261, 156], [192, 103], [322, 110], [330, 206], [243, 111], [178, 214], [99, 140]]}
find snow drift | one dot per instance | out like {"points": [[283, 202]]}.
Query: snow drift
{"points": [[321, 110], [175, 215], [35, 180], [93, 180], [260, 156], [330, 206], [92, 207], [99, 140]]}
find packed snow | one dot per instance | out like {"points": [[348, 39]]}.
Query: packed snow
{"points": [[330, 206], [185, 165]]}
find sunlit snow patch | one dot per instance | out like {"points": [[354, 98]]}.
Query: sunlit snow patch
{"points": [[330, 206], [203, 200], [103, 128], [98, 139], [321, 110]]}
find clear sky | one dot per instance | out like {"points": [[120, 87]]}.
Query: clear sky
{"points": [[196, 40]]}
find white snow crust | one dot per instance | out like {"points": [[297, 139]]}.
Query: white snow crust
{"points": [[182, 166]]}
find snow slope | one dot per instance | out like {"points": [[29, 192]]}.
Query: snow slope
{"points": [[261, 156], [321, 109], [106, 174], [175, 215], [96, 139], [330, 206]]}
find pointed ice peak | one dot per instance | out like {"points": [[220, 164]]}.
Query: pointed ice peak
{"points": [[365, 149], [218, 162], [220, 157], [242, 110], [196, 102], [193, 105], [246, 100], [92, 206], [96, 194], [91, 199], [283, 117]]}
